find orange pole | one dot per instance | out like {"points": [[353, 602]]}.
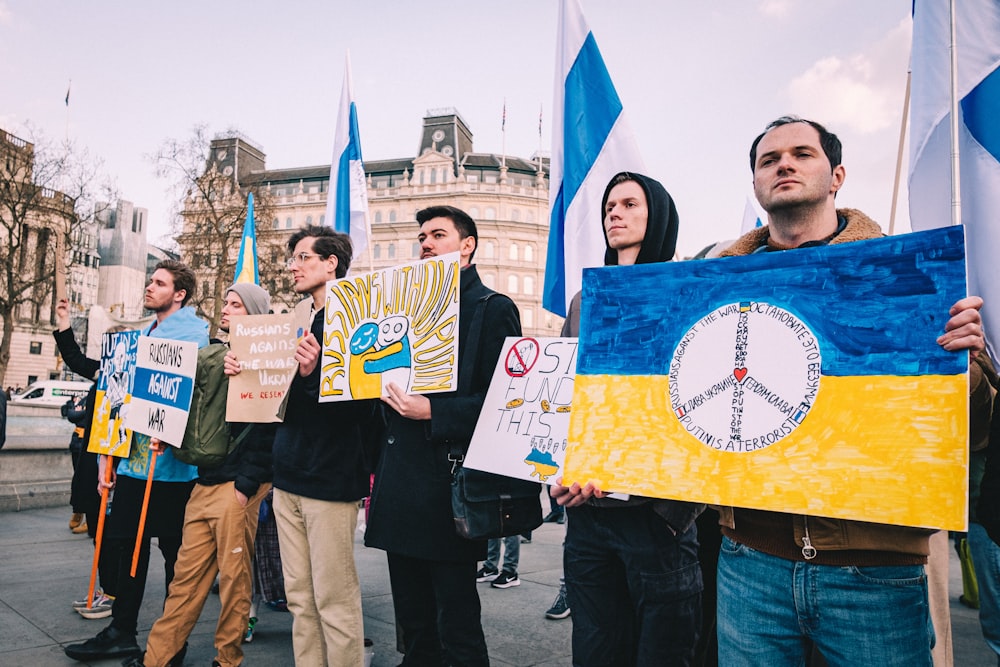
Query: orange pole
{"points": [[142, 515], [99, 537]]}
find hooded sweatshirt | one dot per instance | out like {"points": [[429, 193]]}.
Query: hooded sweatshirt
{"points": [[658, 245]]}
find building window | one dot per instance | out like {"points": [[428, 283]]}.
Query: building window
{"points": [[528, 317], [377, 251], [512, 253], [378, 216], [35, 347], [392, 216], [529, 253], [491, 213], [392, 251], [288, 223], [488, 249], [415, 250], [474, 212], [489, 279], [322, 220], [515, 215], [512, 284], [529, 285], [276, 224], [309, 219]]}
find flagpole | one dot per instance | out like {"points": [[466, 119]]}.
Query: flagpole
{"points": [[899, 153], [956, 180], [503, 135]]}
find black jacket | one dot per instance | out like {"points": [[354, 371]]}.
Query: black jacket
{"points": [[82, 365], [411, 502], [318, 449]]}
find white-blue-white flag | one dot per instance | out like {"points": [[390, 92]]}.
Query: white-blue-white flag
{"points": [[978, 49], [347, 201], [591, 142], [751, 217]]}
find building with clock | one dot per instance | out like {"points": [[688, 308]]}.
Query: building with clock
{"points": [[507, 196]]}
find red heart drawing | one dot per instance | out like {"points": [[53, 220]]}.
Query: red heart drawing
{"points": [[739, 374]]}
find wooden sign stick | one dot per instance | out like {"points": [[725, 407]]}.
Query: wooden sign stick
{"points": [[142, 514], [99, 537]]}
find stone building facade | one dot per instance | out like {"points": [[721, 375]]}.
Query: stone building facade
{"points": [[507, 196]]}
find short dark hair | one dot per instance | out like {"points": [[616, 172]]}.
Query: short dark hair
{"points": [[326, 242], [184, 278], [464, 224], [828, 140]]}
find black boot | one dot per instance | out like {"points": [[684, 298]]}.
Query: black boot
{"points": [[109, 643]]}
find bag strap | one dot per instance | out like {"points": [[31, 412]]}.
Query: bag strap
{"points": [[456, 454], [242, 436]]}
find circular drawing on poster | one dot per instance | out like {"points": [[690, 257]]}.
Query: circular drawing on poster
{"points": [[521, 357], [745, 376]]}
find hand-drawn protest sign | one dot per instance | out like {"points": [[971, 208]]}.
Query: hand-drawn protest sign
{"points": [[108, 434], [807, 381], [393, 325], [523, 425], [161, 393], [265, 346]]}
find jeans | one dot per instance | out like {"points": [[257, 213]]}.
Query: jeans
{"points": [[770, 607], [986, 559], [634, 587], [511, 554]]}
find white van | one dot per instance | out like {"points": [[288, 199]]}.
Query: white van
{"points": [[50, 392]]}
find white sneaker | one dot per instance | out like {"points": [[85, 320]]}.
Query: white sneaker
{"points": [[100, 608]]}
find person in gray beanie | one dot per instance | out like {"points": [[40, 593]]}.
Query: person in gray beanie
{"points": [[220, 523]]}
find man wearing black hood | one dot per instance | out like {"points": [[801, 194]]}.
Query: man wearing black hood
{"points": [[631, 567]]}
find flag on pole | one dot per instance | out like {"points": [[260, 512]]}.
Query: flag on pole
{"points": [[347, 201], [978, 48], [591, 142], [246, 263], [503, 119], [751, 217], [68, 87]]}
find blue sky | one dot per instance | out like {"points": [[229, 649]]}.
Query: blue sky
{"points": [[698, 81]]}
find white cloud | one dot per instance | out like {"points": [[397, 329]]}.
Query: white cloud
{"points": [[863, 91], [5, 13], [775, 8]]}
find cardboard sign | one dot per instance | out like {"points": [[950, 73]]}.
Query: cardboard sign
{"points": [[524, 423], [393, 325], [807, 381], [265, 346], [162, 390], [108, 433]]}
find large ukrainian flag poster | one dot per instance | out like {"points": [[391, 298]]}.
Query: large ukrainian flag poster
{"points": [[806, 381]]}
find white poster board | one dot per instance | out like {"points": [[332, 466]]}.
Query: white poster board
{"points": [[398, 324], [524, 423], [162, 389]]}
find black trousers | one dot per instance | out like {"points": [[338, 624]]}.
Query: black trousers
{"points": [[164, 520], [437, 608]]}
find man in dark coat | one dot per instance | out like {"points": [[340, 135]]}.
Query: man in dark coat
{"points": [[632, 574], [431, 569]]}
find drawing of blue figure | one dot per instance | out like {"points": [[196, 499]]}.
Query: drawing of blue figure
{"points": [[116, 393], [394, 346], [380, 354]]}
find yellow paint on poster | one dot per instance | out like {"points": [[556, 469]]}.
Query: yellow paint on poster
{"points": [[885, 449]]}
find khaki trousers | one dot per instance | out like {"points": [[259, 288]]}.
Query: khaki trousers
{"points": [[218, 539], [316, 538]]}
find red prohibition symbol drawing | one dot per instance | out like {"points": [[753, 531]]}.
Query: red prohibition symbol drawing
{"points": [[521, 357]]}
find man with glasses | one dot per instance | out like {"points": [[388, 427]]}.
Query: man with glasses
{"points": [[320, 474]]}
